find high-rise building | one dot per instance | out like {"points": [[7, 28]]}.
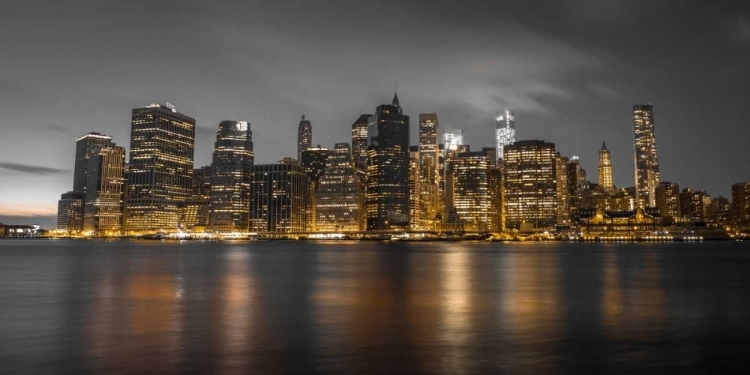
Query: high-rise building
{"points": [[469, 173], [741, 203], [160, 171], [387, 191], [314, 161], [505, 131], [429, 152], [495, 186], [103, 199], [277, 198], [452, 139], [605, 170], [70, 212], [360, 142], [491, 154], [304, 136], [195, 210], [668, 200], [530, 185], [563, 190], [692, 205], [646, 158], [577, 183], [232, 163], [415, 183], [339, 195], [87, 147]]}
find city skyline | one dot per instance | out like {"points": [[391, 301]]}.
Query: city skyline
{"points": [[47, 108]]}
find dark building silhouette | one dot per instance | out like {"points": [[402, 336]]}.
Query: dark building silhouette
{"points": [[304, 136], [278, 197], [388, 169]]}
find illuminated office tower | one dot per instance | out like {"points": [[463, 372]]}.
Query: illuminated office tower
{"points": [[646, 158], [387, 191], [452, 139], [428, 147], [605, 170], [415, 183], [232, 163], [70, 212], [491, 154], [277, 198], [304, 136], [314, 161], [563, 190], [668, 200], [577, 183], [692, 205], [505, 131], [360, 142], [495, 186], [104, 193], [470, 185], [160, 171], [530, 185], [339, 203], [195, 210], [87, 147], [741, 204]]}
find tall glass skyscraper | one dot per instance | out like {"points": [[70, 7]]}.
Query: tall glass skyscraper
{"points": [[530, 185], [87, 148], [339, 195], [230, 177], [103, 198], [388, 169], [646, 157], [452, 139], [160, 172], [278, 197], [359, 142], [304, 136], [429, 153], [505, 131]]}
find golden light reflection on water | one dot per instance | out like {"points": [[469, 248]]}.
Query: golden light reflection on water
{"points": [[237, 309], [455, 308]]}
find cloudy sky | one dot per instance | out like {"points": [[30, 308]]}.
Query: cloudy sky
{"points": [[571, 70]]}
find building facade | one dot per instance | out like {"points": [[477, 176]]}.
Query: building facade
{"points": [[314, 160], [668, 200], [387, 190], [741, 204], [605, 170], [505, 131], [304, 136], [70, 212], [360, 142], [646, 157], [160, 171], [103, 199], [339, 193], [692, 205], [277, 198], [469, 173], [530, 185], [233, 158]]}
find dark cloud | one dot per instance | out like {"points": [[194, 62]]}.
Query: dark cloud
{"points": [[32, 169]]}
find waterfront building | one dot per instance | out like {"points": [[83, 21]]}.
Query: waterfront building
{"points": [[304, 136], [495, 186], [605, 170], [70, 212], [387, 190], [429, 152], [161, 168], [692, 205], [668, 200], [577, 183], [103, 197], [530, 185], [339, 193], [232, 163], [719, 211], [563, 190], [196, 209], [505, 131], [314, 161], [646, 157], [469, 173], [741, 204], [87, 148], [415, 187], [278, 195]]}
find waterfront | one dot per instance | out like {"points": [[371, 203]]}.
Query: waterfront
{"points": [[373, 307]]}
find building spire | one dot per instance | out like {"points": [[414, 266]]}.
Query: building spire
{"points": [[395, 92], [303, 117], [604, 146]]}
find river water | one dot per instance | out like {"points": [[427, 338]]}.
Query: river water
{"points": [[276, 307]]}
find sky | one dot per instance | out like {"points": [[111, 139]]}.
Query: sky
{"points": [[571, 70]]}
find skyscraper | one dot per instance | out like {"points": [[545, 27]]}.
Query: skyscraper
{"points": [[563, 190], [104, 192], [505, 130], [605, 170], [452, 139], [530, 185], [161, 167], [415, 176], [277, 198], [471, 195], [314, 161], [646, 158], [87, 147], [692, 207], [428, 147], [360, 142], [70, 212], [741, 204], [339, 195], [304, 136], [388, 169], [230, 177], [195, 211]]}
